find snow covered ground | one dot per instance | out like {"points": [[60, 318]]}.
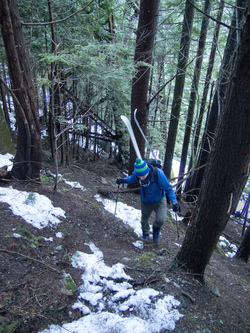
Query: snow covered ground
{"points": [[122, 309]]}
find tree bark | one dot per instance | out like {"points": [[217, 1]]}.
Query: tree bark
{"points": [[3, 98], [243, 251], [143, 54], [179, 86], [228, 167], [6, 143], [27, 162]]}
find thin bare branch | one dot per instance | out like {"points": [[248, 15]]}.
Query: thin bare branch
{"points": [[214, 19], [27, 257], [179, 72]]}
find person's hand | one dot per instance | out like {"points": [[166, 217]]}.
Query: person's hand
{"points": [[176, 207], [120, 180]]}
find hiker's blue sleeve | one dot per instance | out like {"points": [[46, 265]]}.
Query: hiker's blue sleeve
{"points": [[166, 186], [131, 179]]}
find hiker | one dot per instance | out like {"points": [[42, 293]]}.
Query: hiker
{"points": [[153, 196]]}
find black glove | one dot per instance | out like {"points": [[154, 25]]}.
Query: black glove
{"points": [[176, 207], [120, 180]]}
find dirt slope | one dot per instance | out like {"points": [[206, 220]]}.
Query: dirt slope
{"points": [[31, 268]]}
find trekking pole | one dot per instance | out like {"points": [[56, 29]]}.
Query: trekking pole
{"points": [[117, 198], [246, 207], [177, 228]]}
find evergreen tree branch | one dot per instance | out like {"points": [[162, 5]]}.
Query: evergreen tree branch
{"points": [[59, 21]]}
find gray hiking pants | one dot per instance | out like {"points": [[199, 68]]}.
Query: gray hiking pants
{"points": [[160, 209]]}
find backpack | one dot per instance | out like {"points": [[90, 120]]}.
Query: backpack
{"points": [[155, 164]]}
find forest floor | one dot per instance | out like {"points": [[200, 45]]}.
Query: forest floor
{"points": [[31, 269]]}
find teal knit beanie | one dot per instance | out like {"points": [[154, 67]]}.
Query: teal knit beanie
{"points": [[141, 167]]}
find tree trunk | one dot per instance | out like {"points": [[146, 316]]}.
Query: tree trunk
{"points": [[6, 143], [3, 98], [53, 124], [179, 86], [227, 170], [194, 91], [143, 53], [219, 99], [243, 251], [206, 88], [27, 162], [44, 106]]}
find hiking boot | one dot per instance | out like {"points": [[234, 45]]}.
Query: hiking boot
{"points": [[145, 236], [156, 235]]}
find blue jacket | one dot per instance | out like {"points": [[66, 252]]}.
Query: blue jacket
{"points": [[154, 191]]}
